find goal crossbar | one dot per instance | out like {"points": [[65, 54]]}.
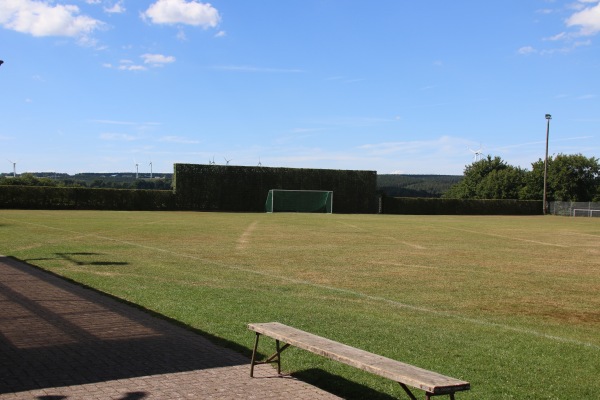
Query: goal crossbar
{"points": [[311, 201]]}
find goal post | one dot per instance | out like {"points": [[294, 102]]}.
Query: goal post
{"points": [[586, 212], [309, 201]]}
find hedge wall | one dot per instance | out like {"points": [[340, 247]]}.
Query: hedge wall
{"points": [[430, 206], [70, 198], [245, 189]]}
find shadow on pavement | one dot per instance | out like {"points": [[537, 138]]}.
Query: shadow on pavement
{"points": [[340, 386], [56, 333]]}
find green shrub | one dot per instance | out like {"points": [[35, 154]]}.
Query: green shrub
{"points": [[430, 206], [74, 198]]}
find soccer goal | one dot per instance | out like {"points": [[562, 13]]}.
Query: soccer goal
{"points": [[585, 212], [310, 201]]}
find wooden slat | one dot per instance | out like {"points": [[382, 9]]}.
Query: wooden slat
{"points": [[423, 379]]}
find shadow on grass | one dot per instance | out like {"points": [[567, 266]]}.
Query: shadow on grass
{"points": [[340, 386], [78, 258]]}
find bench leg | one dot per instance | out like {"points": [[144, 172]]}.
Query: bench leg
{"points": [[253, 361], [408, 392], [428, 395], [278, 357], [275, 358]]}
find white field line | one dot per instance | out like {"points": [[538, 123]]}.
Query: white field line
{"points": [[414, 246], [507, 237], [396, 264], [243, 240], [345, 291], [583, 234], [407, 244], [358, 228]]}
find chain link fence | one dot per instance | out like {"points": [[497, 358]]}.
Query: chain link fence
{"points": [[574, 209]]}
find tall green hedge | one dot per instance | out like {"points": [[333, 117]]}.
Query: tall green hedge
{"points": [[72, 198], [430, 206], [245, 189]]}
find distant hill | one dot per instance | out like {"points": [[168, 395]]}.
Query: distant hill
{"points": [[114, 180], [396, 185], [109, 176]]}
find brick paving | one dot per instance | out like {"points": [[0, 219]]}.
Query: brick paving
{"points": [[61, 341]]}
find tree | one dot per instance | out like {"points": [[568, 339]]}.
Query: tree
{"points": [[27, 180], [570, 178], [489, 178]]}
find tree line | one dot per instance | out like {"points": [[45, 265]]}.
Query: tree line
{"points": [[569, 178], [32, 180]]}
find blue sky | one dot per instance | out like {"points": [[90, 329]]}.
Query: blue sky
{"points": [[394, 86]]}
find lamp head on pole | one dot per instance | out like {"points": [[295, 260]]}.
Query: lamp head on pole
{"points": [[548, 116]]}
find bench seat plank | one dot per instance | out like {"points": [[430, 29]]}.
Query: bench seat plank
{"points": [[423, 379]]}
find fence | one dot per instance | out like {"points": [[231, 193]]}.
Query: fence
{"points": [[574, 209]]}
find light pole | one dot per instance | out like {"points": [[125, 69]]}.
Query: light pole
{"points": [[548, 118]]}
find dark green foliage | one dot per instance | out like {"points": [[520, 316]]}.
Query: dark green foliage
{"points": [[417, 206], [570, 178], [489, 178], [245, 189], [27, 180], [72, 198], [396, 185]]}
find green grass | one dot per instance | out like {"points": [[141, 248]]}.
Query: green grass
{"points": [[511, 304]]}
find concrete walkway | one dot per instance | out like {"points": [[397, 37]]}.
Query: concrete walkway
{"points": [[62, 341]]}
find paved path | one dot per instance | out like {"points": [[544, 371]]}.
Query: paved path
{"points": [[62, 341]]}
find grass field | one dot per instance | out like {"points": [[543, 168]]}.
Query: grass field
{"points": [[510, 304]]}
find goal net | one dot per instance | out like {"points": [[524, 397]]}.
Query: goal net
{"points": [[312, 201], [583, 212]]}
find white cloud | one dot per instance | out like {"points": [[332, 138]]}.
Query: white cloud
{"points": [[588, 19], [112, 122], [248, 68], [125, 65], [152, 60], [558, 36], [183, 12], [157, 60], [43, 19], [178, 139], [443, 144], [117, 8], [526, 50], [117, 137], [132, 68]]}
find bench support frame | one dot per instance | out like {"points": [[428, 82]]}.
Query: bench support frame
{"points": [[276, 359]]}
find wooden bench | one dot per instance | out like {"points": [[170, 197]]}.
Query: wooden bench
{"points": [[406, 375]]}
